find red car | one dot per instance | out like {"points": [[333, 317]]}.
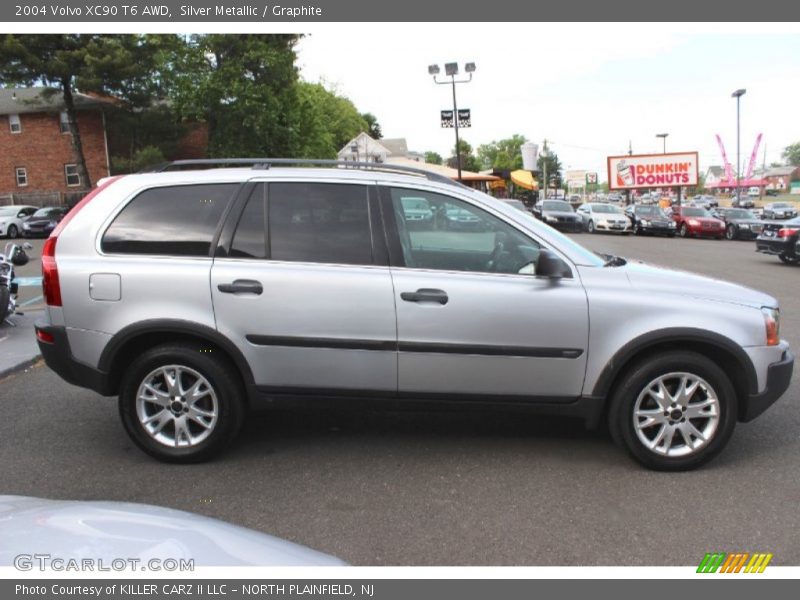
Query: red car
{"points": [[693, 220]]}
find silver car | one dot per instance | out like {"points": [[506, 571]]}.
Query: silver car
{"points": [[603, 217], [11, 219], [196, 295]]}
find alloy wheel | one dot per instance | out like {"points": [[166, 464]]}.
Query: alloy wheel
{"points": [[177, 406], [676, 414]]}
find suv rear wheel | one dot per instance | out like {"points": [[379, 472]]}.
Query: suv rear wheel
{"points": [[673, 412], [180, 405]]}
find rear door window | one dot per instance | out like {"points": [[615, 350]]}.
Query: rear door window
{"points": [[320, 223], [174, 220]]}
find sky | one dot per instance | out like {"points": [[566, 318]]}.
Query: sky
{"points": [[589, 89]]}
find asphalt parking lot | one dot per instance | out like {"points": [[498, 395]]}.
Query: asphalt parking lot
{"points": [[444, 488]]}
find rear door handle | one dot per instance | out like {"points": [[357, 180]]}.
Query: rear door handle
{"points": [[241, 286], [425, 295]]}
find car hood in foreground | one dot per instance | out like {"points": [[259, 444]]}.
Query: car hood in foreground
{"points": [[119, 530], [660, 280]]}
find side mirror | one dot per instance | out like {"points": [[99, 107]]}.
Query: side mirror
{"points": [[551, 266]]}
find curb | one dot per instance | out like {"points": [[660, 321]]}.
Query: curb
{"points": [[20, 367]]}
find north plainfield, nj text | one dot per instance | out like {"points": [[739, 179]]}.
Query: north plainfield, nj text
{"points": [[264, 12]]}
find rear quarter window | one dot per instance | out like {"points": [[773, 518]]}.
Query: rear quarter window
{"points": [[174, 220]]}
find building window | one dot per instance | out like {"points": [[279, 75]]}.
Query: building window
{"points": [[71, 173], [22, 176], [63, 120], [14, 124]]}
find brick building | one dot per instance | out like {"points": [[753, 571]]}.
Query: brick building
{"points": [[37, 163]]}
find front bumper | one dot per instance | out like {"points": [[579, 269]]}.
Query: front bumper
{"points": [[567, 226], [58, 356], [779, 376]]}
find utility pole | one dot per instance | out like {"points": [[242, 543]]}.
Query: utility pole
{"points": [[628, 191], [544, 168]]}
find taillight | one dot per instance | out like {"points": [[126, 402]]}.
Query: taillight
{"points": [[50, 284], [785, 232]]}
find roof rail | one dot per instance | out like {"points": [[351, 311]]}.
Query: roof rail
{"points": [[266, 163]]}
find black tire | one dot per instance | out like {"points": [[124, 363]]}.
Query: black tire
{"points": [[12, 232], [636, 380], [730, 232], [789, 260], [684, 231], [637, 230], [5, 296], [590, 227], [223, 380]]}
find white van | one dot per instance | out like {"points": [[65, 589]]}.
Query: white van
{"points": [[754, 191]]}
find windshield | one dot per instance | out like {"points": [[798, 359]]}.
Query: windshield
{"points": [[739, 214], [47, 212], [695, 212], [557, 205], [606, 208], [648, 211]]}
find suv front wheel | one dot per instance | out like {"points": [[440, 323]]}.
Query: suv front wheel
{"points": [[179, 404], [673, 412]]}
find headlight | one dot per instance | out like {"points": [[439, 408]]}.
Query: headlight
{"points": [[772, 323], [693, 222], [550, 219], [672, 224]]}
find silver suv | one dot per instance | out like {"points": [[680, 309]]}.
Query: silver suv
{"points": [[195, 295]]}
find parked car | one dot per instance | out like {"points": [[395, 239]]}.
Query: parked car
{"points": [[706, 201], [771, 192], [43, 221], [417, 213], [740, 224], [696, 221], [615, 197], [742, 200], [779, 210], [754, 191], [781, 240], [650, 219], [559, 215], [153, 280], [518, 204], [599, 217], [11, 219]]}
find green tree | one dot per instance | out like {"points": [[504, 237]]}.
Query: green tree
{"points": [[323, 122], [502, 154], [791, 154], [374, 128], [433, 158], [469, 162], [554, 169], [243, 86], [118, 65]]}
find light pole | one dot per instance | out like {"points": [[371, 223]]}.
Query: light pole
{"points": [[451, 70], [663, 137], [738, 94]]}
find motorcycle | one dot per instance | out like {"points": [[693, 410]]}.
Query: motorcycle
{"points": [[13, 256]]}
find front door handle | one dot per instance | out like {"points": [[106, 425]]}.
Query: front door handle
{"points": [[241, 286], [425, 295]]}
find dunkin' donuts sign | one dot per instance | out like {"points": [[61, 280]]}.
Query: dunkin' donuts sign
{"points": [[652, 170]]}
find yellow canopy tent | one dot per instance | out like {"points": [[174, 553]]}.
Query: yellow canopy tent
{"points": [[524, 179]]}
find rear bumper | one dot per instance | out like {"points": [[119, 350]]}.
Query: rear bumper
{"points": [[773, 246], [58, 356], [779, 376]]}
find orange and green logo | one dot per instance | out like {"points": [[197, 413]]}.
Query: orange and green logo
{"points": [[734, 562]]}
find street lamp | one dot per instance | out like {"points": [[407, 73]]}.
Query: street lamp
{"points": [[738, 94], [451, 70], [663, 137]]}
